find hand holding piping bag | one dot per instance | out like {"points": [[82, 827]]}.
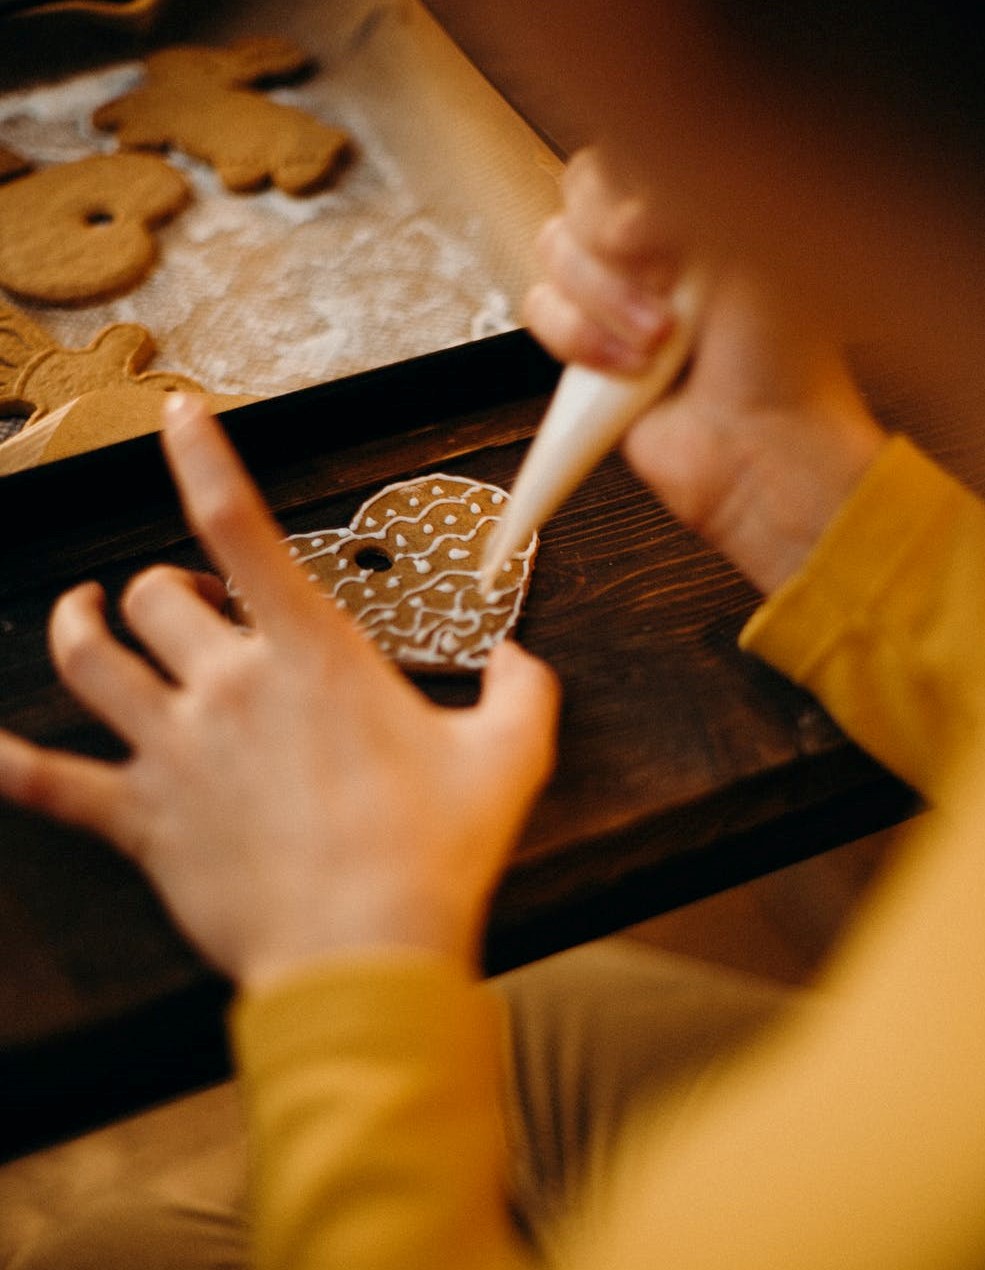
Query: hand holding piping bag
{"points": [[756, 447], [589, 414]]}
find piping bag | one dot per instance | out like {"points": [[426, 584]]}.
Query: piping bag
{"points": [[587, 417]]}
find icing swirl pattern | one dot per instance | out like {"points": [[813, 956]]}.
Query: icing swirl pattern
{"points": [[406, 569]]}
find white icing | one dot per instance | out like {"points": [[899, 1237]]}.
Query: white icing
{"points": [[441, 619]]}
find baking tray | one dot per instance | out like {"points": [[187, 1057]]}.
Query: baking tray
{"points": [[424, 241]]}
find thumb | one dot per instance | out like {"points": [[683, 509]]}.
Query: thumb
{"points": [[517, 713]]}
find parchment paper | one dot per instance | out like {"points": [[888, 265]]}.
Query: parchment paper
{"points": [[424, 242]]}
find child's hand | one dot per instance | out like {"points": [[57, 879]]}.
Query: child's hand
{"points": [[768, 433], [289, 792]]}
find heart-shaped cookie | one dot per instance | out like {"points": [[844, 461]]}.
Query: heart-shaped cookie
{"points": [[407, 567]]}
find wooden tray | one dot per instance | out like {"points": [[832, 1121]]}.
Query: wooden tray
{"points": [[685, 765]]}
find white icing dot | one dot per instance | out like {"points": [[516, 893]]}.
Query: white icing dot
{"points": [[449, 641], [401, 540], [385, 645], [429, 529], [318, 542], [507, 567], [414, 502], [295, 551], [369, 521], [392, 582], [312, 577], [444, 586], [458, 553], [343, 563], [387, 614], [475, 509], [494, 596], [340, 604], [436, 489], [422, 566], [390, 511], [450, 520], [497, 498], [368, 592], [415, 601]]}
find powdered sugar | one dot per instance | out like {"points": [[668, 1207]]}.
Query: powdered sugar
{"points": [[263, 293]]}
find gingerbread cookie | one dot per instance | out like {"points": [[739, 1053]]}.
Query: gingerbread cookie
{"points": [[37, 373], [12, 164], [109, 415], [81, 231], [102, 417], [407, 567], [199, 100]]}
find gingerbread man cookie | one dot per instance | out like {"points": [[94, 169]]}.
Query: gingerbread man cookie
{"points": [[40, 375], [82, 231], [199, 100], [407, 567]]}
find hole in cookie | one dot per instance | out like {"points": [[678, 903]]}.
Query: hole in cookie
{"points": [[373, 558], [13, 416], [99, 216]]}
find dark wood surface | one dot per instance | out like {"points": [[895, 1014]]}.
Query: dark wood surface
{"points": [[685, 765]]}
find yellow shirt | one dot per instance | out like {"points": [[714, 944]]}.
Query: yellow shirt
{"points": [[854, 1140]]}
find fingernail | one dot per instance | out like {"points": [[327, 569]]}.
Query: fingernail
{"points": [[647, 318], [181, 408], [621, 357]]}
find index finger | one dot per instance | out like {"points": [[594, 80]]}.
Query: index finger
{"points": [[225, 509]]}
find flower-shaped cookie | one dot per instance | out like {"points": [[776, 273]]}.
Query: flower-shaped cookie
{"points": [[80, 231]]}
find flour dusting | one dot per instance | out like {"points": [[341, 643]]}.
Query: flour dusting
{"points": [[264, 293]]}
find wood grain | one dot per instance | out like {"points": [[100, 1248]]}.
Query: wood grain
{"points": [[684, 764]]}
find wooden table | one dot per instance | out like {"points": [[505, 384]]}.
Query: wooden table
{"points": [[685, 765]]}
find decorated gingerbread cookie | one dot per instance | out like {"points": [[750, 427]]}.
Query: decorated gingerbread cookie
{"points": [[38, 374], [81, 231], [407, 566], [200, 100]]}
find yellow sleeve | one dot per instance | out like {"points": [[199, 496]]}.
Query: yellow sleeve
{"points": [[884, 625], [854, 1136], [372, 1090]]}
